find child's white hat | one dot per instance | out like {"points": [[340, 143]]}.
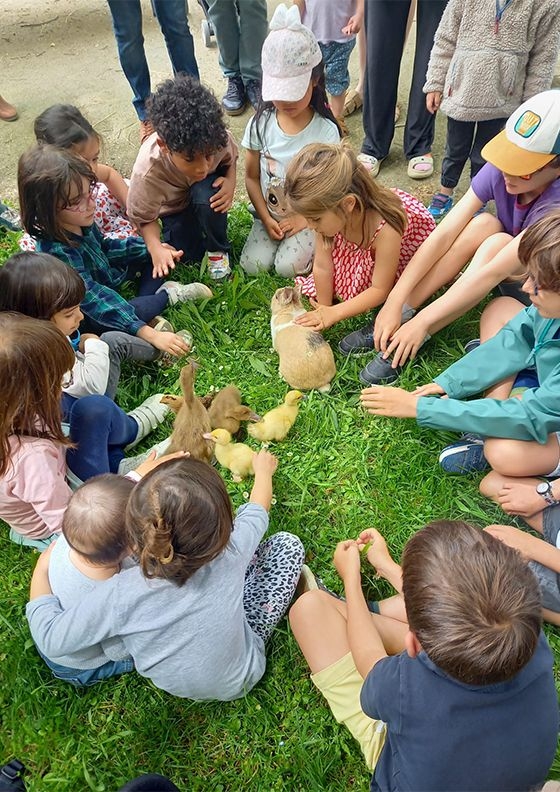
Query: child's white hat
{"points": [[531, 138], [289, 54]]}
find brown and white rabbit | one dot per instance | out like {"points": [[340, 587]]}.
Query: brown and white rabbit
{"points": [[306, 360]]}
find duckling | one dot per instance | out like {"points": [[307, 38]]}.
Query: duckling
{"points": [[192, 421], [237, 457], [173, 402], [276, 423], [227, 412]]}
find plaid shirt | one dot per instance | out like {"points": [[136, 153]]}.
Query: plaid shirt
{"points": [[103, 265]]}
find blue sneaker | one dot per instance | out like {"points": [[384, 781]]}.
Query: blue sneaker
{"points": [[440, 205], [358, 342], [464, 456]]}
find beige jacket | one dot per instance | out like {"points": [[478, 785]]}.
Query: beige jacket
{"points": [[486, 70]]}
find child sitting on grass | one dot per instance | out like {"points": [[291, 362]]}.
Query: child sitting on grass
{"points": [[43, 287], [366, 234], [63, 126], [91, 549], [195, 614], [522, 353], [471, 703], [57, 198], [522, 178], [185, 175]]}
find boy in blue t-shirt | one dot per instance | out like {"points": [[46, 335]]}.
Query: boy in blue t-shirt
{"points": [[471, 702]]}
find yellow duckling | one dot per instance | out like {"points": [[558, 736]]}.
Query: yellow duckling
{"points": [[276, 423], [237, 457]]}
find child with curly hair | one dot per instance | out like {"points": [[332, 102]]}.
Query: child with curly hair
{"points": [[184, 175]]}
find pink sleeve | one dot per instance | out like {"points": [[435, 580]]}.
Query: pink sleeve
{"points": [[40, 482]]}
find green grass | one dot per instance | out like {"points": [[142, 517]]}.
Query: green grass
{"points": [[340, 471]]}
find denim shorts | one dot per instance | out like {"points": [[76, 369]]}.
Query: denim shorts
{"points": [[336, 55], [549, 581]]}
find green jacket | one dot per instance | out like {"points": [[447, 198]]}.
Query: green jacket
{"points": [[525, 342]]}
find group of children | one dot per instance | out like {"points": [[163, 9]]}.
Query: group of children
{"points": [[150, 564]]}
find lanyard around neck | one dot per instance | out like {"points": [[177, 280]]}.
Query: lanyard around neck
{"points": [[499, 13]]}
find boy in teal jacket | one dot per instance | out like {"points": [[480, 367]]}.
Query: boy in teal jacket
{"points": [[518, 408]]}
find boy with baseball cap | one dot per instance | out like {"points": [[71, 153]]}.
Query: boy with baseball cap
{"points": [[522, 177]]}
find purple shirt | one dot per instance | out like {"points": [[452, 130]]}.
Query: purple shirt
{"points": [[488, 185]]}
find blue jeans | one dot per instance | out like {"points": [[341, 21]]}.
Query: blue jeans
{"points": [[85, 678], [127, 27], [100, 430], [197, 228]]}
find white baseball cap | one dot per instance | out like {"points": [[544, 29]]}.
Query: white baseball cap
{"points": [[531, 138], [289, 54]]}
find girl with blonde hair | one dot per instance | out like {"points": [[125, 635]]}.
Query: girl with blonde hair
{"points": [[369, 235]]}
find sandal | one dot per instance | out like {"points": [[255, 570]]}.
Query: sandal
{"points": [[370, 163], [421, 167], [353, 102]]}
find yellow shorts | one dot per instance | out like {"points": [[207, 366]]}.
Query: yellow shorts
{"points": [[341, 684]]}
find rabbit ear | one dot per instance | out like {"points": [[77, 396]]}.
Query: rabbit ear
{"points": [[297, 290]]}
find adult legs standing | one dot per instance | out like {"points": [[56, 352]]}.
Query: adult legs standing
{"points": [[127, 27], [240, 29], [420, 124], [385, 24], [172, 18]]}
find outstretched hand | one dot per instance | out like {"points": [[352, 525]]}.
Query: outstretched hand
{"points": [[389, 402]]}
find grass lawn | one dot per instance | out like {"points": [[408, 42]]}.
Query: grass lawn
{"points": [[340, 471]]}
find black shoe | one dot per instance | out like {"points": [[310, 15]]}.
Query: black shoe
{"points": [[253, 91], [379, 372], [234, 99], [357, 342]]}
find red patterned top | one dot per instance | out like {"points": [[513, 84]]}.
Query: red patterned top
{"points": [[353, 265]]}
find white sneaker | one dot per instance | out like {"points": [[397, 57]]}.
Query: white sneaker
{"points": [[218, 265], [181, 292], [131, 463], [162, 324], [148, 415]]}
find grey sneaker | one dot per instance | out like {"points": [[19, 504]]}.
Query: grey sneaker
{"points": [[148, 415], [379, 372], [358, 342], [181, 292]]}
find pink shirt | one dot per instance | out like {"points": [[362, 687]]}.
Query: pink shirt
{"points": [[33, 491]]}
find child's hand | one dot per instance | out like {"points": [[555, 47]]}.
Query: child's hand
{"points": [[406, 342], [170, 342], [264, 463], [354, 25], [389, 402], [347, 559], [322, 317], [83, 338], [292, 225], [163, 259], [433, 101], [519, 498], [387, 322], [431, 389], [222, 200], [377, 553], [273, 229], [529, 546], [153, 462]]}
